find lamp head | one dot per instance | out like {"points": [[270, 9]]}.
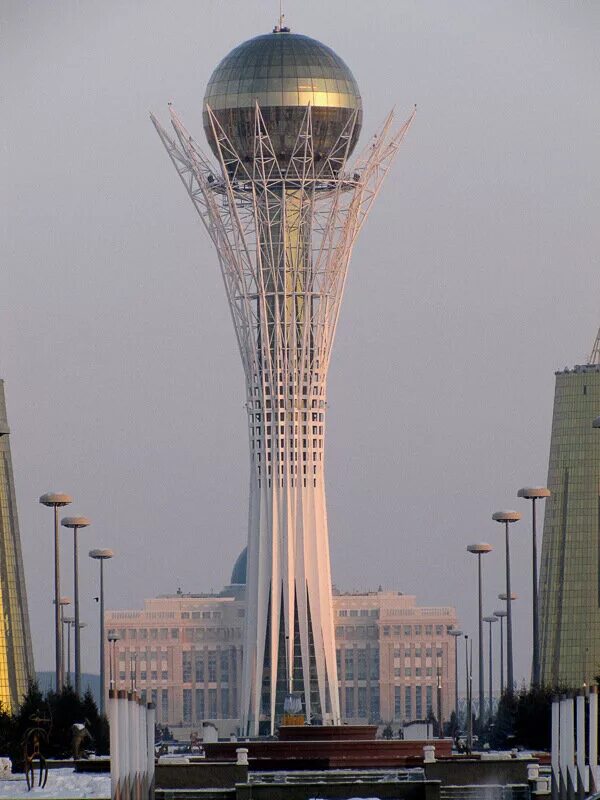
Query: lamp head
{"points": [[480, 548], [504, 596], [101, 554], [113, 636], [75, 522], [490, 619], [500, 613], [55, 499], [533, 492], [506, 516], [455, 632]]}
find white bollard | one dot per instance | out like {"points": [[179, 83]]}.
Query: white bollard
{"points": [[113, 717], [150, 724], [429, 754], [571, 768], [242, 756]]}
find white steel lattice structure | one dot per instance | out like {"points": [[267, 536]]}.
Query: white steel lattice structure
{"points": [[283, 227]]}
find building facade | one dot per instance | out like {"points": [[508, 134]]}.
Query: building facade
{"points": [[16, 655], [283, 206], [570, 563], [187, 652]]}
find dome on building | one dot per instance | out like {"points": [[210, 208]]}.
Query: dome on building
{"points": [[284, 72], [238, 575]]}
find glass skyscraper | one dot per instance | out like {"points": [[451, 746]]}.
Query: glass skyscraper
{"points": [[16, 656], [570, 568]]}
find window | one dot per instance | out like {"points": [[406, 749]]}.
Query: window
{"points": [[417, 630], [417, 652], [132, 633], [164, 632], [429, 700], [419, 702], [362, 665], [428, 630], [199, 705], [362, 702], [224, 703], [408, 630], [354, 612], [185, 615], [187, 666], [364, 612], [349, 701], [374, 703], [212, 703], [407, 672], [439, 630], [343, 612], [199, 667], [143, 675], [407, 702], [397, 702], [212, 667], [143, 633], [428, 652], [418, 672], [224, 659], [386, 630], [187, 705], [154, 696], [397, 672], [374, 664], [439, 652], [349, 665], [154, 633], [428, 672], [164, 702], [174, 633], [164, 675]]}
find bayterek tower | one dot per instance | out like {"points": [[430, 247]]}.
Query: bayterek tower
{"points": [[283, 205]]}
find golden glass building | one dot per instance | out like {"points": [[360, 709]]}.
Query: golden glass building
{"points": [[16, 655], [570, 568]]}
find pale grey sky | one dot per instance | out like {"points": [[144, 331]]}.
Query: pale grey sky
{"points": [[474, 279]]}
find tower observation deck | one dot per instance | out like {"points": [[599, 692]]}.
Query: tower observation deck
{"points": [[282, 115]]}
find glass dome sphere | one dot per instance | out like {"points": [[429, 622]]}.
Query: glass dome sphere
{"points": [[284, 72]]}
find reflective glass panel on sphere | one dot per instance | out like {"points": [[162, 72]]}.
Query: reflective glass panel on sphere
{"points": [[284, 72]]}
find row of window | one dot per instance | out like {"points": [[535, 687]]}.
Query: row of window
{"points": [[358, 612], [289, 416]]}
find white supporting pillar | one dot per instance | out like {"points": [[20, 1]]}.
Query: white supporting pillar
{"points": [[150, 725], [555, 757], [582, 770], [113, 718], [570, 746], [124, 768], [593, 740]]}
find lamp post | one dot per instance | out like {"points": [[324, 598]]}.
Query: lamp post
{"points": [[500, 615], [490, 620], [75, 523], [69, 622], [534, 493], [506, 518], [56, 500], [469, 687], [480, 550], [455, 633], [101, 556], [64, 601], [112, 637]]}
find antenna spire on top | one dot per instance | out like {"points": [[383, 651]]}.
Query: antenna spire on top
{"points": [[595, 354], [281, 27]]}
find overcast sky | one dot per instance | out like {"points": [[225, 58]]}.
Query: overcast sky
{"points": [[475, 278]]}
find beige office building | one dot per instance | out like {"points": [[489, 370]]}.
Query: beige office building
{"points": [[187, 654]]}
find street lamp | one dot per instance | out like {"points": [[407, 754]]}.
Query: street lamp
{"points": [[455, 633], [508, 517], [56, 500], [112, 637], [534, 493], [469, 686], [101, 556], [490, 620], [75, 523], [480, 550], [69, 622]]}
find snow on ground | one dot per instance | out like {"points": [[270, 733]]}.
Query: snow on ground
{"points": [[63, 783]]}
